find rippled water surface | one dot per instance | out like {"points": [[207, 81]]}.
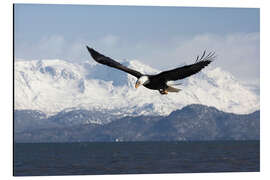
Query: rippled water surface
{"points": [[135, 157]]}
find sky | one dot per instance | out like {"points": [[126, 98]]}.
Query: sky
{"points": [[161, 37]]}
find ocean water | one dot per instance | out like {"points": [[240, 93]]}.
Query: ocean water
{"points": [[40, 159]]}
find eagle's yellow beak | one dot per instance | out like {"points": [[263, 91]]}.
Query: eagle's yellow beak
{"points": [[137, 84]]}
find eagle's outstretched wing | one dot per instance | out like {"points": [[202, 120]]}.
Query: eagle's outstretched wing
{"points": [[112, 63], [188, 70]]}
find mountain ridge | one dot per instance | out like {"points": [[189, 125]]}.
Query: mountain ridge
{"points": [[192, 123], [52, 86]]}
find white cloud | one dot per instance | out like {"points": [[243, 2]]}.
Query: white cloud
{"points": [[237, 53], [109, 40], [52, 47], [52, 44]]}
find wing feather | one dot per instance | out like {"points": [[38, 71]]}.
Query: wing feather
{"points": [[188, 70], [100, 58]]}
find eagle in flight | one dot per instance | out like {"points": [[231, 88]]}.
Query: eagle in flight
{"points": [[158, 81]]}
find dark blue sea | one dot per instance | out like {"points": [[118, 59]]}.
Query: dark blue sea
{"points": [[40, 159]]}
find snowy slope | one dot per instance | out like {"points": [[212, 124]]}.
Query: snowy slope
{"points": [[55, 85]]}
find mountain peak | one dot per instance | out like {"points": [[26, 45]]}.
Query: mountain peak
{"points": [[139, 66], [54, 85]]}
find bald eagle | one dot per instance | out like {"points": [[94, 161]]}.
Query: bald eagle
{"points": [[158, 81]]}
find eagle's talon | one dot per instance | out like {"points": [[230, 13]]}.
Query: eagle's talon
{"points": [[163, 91]]}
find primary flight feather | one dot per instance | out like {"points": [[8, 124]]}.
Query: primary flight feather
{"points": [[158, 81]]}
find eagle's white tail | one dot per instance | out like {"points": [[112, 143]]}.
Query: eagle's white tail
{"points": [[172, 89]]}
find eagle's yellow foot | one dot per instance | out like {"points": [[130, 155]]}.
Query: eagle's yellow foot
{"points": [[163, 91]]}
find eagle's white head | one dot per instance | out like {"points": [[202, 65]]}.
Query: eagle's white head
{"points": [[142, 81]]}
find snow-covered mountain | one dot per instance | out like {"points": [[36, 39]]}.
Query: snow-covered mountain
{"points": [[52, 86]]}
